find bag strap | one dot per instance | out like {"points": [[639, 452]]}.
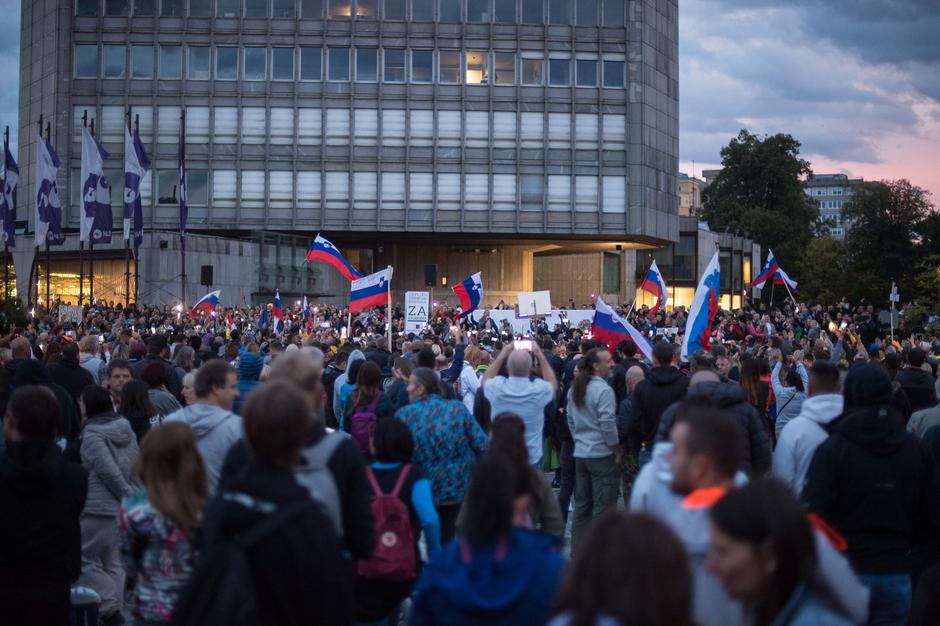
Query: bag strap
{"points": [[401, 479], [786, 404], [271, 523], [320, 453], [376, 488]]}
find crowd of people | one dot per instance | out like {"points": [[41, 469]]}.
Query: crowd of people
{"points": [[158, 467]]}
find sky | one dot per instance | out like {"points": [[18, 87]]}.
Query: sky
{"points": [[857, 82]]}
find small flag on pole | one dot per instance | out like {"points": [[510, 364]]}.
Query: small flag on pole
{"points": [[321, 249], [370, 291], [207, 303], [470, 293]]}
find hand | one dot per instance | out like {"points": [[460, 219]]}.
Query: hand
{"points": [[618, 453]]}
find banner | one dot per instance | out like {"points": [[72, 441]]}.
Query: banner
{"points": [[416, 310], [535, 303]]}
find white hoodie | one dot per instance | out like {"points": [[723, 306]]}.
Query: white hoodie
{"points": [[801, 436]]}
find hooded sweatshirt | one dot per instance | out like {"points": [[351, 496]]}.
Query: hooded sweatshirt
{"points": [[93, 364], [249, 373], [33, 372], [919, 387], [512, 586], [109, 448], [216, 430], [661, 387], [802, 435], [342, 379]]}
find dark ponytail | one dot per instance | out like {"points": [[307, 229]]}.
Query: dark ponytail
{"points": [[583, 376], [488, 506]]}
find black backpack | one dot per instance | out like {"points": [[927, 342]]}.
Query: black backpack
{"points": [[222, 589]]}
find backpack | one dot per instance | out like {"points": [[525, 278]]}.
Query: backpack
{"points": [[394, 558], [222, 589], [314, 476], [362, 423]]}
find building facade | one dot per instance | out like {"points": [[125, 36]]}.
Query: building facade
{"points": [[690, 194], [832, 191], [415, 132]]}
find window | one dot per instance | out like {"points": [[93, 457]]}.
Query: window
{"points": [[505, 66], [394, 65], [477, 129], [226, 63], [282, 63], [422, 10], [611, 272], [256, 8], [224, 187], [504, 192], [530, 129], [367, 64], [367, 9], [532, 11], [340, 8], [585, 131], [449, 66], [256, 64], [559, 193], [587, 12], [477, 71], [252, 128], [200, 8], [309, 126], [171, 62], [337, 127], [168, 124], [393, 127], [587, 72], [312, 10], [339, 63], [229, 8], [614, 132], [144, 8], [365, 185], [171, 8], [337, 189], [198, 63], [478, 11], [115, 7], [448, 128], [366, 123], [87, 8], [613, 12], [477, 188], [421, 128], [393, 190], [395, 9], [559, 130], [197, 187], [559, 12], [252, 188], [308, 189], [310, 63], [282, 126], [86, 61], [532, 190], [585, 193], [115, 61], [422, 66], [615, 200], [533, 71], [448, 191], [449, 10], [559, 72], [505, 11], [142, 61], [225, 124], [613, 74], [167, 181], [420, 189], [197, 125], [283, 8], [280, 189]]}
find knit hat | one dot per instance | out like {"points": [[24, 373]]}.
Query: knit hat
{"points": [[866, 386], [249, 366]]}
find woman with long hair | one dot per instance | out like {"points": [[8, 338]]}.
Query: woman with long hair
{"points": [[158, 524], [756, 390], [366, 405], [631, 569], [496, 572], [137, 408]]}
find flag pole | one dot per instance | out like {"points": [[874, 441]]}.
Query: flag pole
{"points": [[91, 241], [787, 285], [48, 253], [34, 270], [136, 246], [81, 241], [388, 312], [182, 191], [127, 242], [6, 245]]}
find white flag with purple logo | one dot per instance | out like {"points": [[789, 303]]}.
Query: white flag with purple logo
{"points": [[48, 219], [136, 165], [96, 219]]}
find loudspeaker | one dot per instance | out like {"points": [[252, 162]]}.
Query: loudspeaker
{"points": [[206, 276], [430, 275]]}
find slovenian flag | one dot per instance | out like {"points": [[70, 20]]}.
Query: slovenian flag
{"points": [[323, 250], [654, 284], [277, 314], [207, 303], [612, 329], [773, 272], [698, 326], [371, 290], [470, 294]]}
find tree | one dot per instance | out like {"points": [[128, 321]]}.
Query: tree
{"points": [[759, 193], [821, 271]]}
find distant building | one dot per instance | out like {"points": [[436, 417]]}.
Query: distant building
{"points": [[690, 194], [710, 176], [832, 191]]}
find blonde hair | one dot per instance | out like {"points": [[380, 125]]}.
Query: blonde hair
{"points": [[172, 472]]}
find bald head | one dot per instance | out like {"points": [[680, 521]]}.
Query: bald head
{"points": [[634, 375], [704, 376], [519, 364]]}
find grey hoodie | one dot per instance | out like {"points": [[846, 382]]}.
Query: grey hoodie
{"points": [[342, 379], [802, 435], [216, 430], [108, 451], [92, 363]]}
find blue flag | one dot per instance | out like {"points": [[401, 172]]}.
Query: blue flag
{"points": [[184, 210], [11, 174], [136, 164], [48, 218]]}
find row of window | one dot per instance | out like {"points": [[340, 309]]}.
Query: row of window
{"points": [[828, 191], [390, 65], [560, 12], [365, 189], [831, 204], [335, 126]]}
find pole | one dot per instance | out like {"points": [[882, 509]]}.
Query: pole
{"points": [[6, 245], [789, 292], [388, 312], [136, 247], [127, 244], [91, 245], [891, 321], [81, 240], [182, 232], [34, 270], [48, 253]]}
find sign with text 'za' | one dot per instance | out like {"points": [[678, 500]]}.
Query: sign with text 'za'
{"points": [[416, 310]]}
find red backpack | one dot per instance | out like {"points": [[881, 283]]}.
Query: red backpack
{"points": [[394, 557]]}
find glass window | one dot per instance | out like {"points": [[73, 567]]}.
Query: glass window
{"points": [[505, 66], [477, 70], [256, 8], [422, 66], [422, 10], [167, 181], [613, 12], [340, 8], [614, 188], [449, 10], [86, 61], [612, 268], [478, 10], [532, 11], [587, 73], [505, 11], [367, 9], [282, 8], [142, 61], [587, 12], [199, 61], [87, 8], [200, 8], [395, 9], [394, 65], [226, 63], [172, 8], [559, 12], [533, 71], [449, 66], [229, 8], [115, 61], [282, 63], [310, 63], [256, 61], [367, 64], [559, 72], [144, 8], [613, 74], [171, 62], [312, 9], [115, 7], [339, 63], [532, 189], [197, 187]]}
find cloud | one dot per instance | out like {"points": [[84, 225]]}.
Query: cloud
{"points": [[10, 68]]}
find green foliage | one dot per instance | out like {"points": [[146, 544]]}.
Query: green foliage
{"points": [[12, 312], [822, 271], [759, 193]]}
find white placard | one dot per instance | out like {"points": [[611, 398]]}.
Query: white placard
{"points": [[416, 310], [70, 313], [535, 302]]}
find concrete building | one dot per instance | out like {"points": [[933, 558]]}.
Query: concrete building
{"points": [[832, 191], [690, 194], [439, 136]]}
